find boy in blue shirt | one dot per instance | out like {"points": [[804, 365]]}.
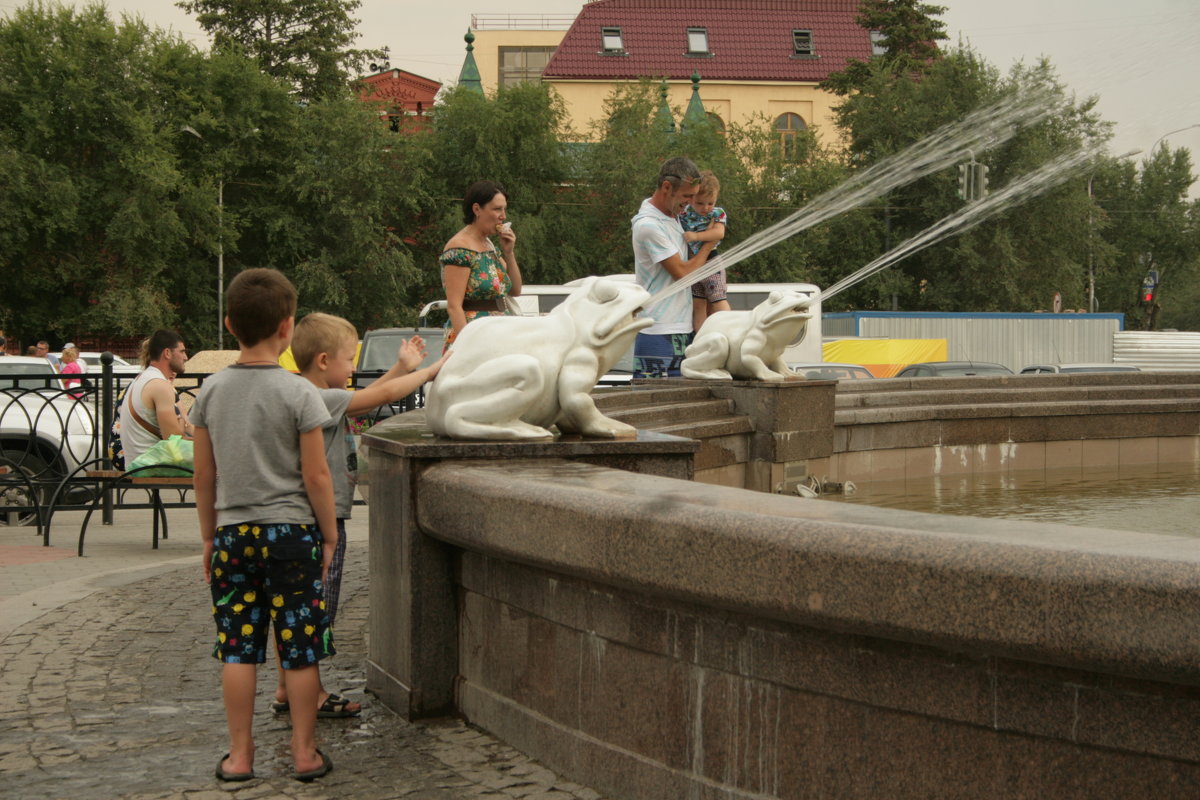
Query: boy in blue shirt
{"points": [[704, 221], [268, 524]]}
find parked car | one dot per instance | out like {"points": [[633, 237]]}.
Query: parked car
{"points": [[45, 431], [832, 371], [377, 354], [119, 365], [943, 369], [1042, 369]]}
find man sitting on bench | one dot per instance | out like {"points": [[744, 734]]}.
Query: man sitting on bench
{"points": [[148, 412]]}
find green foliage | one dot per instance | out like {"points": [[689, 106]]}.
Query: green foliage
{"points": [[116, 142], [909, 33], [109, 213], [306, 43], [1148, 223], [514, 138]]}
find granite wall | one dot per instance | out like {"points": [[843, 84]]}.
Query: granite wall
{"points": [[658, 638]]}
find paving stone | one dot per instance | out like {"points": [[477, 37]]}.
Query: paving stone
{"points": [[117, 694]]}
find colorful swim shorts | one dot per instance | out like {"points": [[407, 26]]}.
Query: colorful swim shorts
{"points": [[263, 574]]}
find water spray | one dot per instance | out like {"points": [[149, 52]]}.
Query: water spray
{"points": [[1049, 175], [978, 131]]}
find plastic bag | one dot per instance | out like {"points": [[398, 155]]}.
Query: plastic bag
{"points": [[167, 454]]}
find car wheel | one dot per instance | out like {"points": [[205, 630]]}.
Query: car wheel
{"points": [[14, 492]]}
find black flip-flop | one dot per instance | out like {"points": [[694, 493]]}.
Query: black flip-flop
{"points": [[319, 772], [280, 708], [232, 777], [335, 707]]}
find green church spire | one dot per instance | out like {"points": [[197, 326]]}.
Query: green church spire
{"points": [[469, 74], [695, 113], [664, 117]]}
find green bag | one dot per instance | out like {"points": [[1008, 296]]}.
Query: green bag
{"points": [[167, 454]]}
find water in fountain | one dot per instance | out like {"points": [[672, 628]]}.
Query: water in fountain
{"points": [[1049, 175], [948, 145]]}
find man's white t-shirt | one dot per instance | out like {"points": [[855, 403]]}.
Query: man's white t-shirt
{"points": [[657, 237]]}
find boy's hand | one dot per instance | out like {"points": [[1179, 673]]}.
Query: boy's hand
{"points": [[327, 548], [207, 556], [412, 353], [689, 237]]}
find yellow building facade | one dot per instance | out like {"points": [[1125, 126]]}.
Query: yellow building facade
{"points": [[756, 58]]}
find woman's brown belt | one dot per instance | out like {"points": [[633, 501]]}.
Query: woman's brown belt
{"points": [[495, 304]]}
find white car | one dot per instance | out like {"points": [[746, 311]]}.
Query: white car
{"points": [[1044, 369], [92, 365], [45, 430], [832, 371]]}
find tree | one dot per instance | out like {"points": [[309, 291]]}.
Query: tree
{"points": [[1018, 260], [1147, 223], [109, 214], [906, 32], [513, 137], [307, 43]]}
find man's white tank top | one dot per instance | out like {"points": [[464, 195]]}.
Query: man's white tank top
{"points": [[134, 437]]}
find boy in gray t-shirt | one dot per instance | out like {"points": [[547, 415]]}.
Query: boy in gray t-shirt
{"points": [[324, 347], [268, 524]]}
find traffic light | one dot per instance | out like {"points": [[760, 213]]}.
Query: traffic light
{"points": [[981, 181], [964, 181], [1149, 286]]}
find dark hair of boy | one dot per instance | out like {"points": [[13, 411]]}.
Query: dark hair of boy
{"points": [[257, 301], [319, 333]]}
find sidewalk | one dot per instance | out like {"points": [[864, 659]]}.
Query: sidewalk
{"points": [[110, 690]]}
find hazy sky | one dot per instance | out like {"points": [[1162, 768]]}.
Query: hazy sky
{"points": [[1142, 59]]}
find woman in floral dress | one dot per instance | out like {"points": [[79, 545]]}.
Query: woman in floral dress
{"points": [[476, 276]]}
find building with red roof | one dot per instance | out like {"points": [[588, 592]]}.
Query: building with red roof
{"points": [[399, 95], [755, 57]]}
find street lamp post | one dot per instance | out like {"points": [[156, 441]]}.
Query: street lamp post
{"points": [[1172, 133], [220, 249]]}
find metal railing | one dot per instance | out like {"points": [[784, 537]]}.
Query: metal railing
{"points": [[52, 437]]}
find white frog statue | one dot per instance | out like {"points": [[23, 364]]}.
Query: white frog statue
{"points": [[513, 377], [749, 345]]}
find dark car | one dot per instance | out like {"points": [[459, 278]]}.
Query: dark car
{"points": [[378, 354], [944, 369]]}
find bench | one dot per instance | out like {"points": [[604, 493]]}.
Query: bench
{"points": [[108, 480]]}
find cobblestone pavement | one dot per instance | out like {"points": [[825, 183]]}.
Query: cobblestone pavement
{"points": [[115, 694]]}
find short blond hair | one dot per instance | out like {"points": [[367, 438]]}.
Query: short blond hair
{"points": [[319, 333], [708, 185]]}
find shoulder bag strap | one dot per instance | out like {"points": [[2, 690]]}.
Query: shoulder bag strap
{"points": [[138, 417]]}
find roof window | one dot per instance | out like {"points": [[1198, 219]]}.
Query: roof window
{"points": [[878, 48], [697, 39], [611, 40], [802, 43]]}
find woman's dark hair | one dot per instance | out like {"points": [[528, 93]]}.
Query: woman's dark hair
{"points": [[480, 192]]}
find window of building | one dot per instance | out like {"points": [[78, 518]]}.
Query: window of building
{"points": [[520, 64], [877, 46], [717, 123], [787, 126], [802, 43], [611, 40], [697, 41]]}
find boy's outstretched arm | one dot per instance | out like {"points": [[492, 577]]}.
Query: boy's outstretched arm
{"points": [[318, 485], [409, 357], [384, 391], [204, 479]]}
